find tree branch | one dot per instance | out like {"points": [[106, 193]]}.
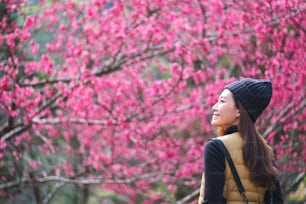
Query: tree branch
{"points": [[72, 120], [117, 66], [48, 81], [172, 88], [14, 132], [190, 197], [252, 29], [36, 190], [22, 128], [98, 122], [51, 194], [282, 114], [82, 180], [12, 184], [204, 17], [296, 182]]}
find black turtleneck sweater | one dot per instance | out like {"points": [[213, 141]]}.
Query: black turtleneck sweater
{"points": [[214, 175]]}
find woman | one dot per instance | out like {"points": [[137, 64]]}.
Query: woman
{"points": [[234, 115]]}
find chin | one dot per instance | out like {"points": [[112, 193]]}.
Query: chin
{"points": [[214, 124]]}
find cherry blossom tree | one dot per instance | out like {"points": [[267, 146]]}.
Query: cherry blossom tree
{"points": [[117, 95]]}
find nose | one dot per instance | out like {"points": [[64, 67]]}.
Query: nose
{"points": [[214, 107]]}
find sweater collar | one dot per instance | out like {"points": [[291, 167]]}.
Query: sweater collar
{"points": [[231, 130]]}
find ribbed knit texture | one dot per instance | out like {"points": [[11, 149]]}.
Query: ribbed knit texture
{"points": [[254, 95]]}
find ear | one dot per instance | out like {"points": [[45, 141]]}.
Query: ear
{"points": [[238, 113]]}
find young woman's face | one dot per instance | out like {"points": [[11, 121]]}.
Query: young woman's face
{"points": [[225, 112]]}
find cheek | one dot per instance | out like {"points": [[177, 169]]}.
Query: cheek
{"points": [[226, 115], [232, 115], [229, 115]]}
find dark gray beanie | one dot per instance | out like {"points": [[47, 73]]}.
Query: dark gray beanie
{"points": [[254, 95]]}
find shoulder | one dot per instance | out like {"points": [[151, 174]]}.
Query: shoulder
{"points": [[233, 140], [211, 147], [213, 156], [211, 144]]}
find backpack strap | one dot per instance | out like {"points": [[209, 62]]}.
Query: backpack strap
{"points": [[227, 156], [271, 196]]}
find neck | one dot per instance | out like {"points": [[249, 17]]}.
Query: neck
{"points": [[229, 130]]}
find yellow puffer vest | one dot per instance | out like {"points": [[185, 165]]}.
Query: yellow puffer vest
{"points": [[255, 194]]}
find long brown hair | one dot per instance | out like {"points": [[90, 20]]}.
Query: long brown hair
{"points": [[257, 154]]}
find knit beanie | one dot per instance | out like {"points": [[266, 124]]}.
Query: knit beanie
{"points": [[253, 94]]}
